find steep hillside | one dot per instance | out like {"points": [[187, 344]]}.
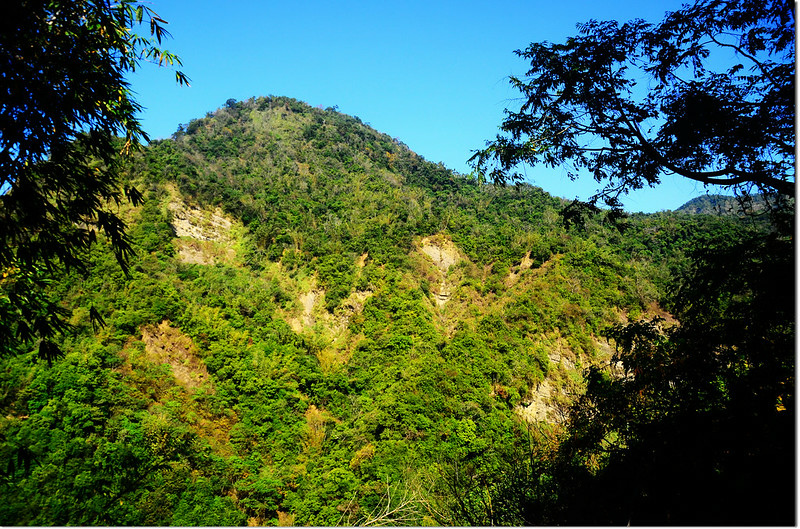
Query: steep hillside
{"points": [[319, 328]]}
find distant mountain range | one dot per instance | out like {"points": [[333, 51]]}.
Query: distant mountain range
{"points": [[722, 205]]}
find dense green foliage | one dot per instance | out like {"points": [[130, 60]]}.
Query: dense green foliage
{"points": [[692, 422], [288, 349], [694, 425], [65, 103]]}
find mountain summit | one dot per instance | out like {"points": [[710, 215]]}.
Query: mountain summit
{"points": [[320, 327]]}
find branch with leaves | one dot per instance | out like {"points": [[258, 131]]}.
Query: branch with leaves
{"points": [[631, 103], [67, 116]]}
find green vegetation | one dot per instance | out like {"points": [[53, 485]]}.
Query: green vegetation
{"points": [[299, 321], [66, 112], [320, 327], [693, 422]]}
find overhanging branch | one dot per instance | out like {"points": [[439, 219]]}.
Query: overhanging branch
{"points": [[728, 176]]}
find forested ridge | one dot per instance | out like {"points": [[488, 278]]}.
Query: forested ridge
{"points": [[320, 327]]}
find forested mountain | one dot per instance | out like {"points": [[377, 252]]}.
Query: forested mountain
{"points": [[725, 205], [320, 327]]}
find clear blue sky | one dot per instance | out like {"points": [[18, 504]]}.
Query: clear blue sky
{"points": [[432, 73]]}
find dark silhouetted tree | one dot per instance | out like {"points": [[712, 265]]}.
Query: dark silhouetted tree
{"points": [[707, 94]]}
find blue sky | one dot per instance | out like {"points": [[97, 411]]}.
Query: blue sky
{"points": [[432, 73]]}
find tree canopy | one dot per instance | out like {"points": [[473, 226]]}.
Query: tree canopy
{"points": [[66, 114], [707, 94], [696, 424]]}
